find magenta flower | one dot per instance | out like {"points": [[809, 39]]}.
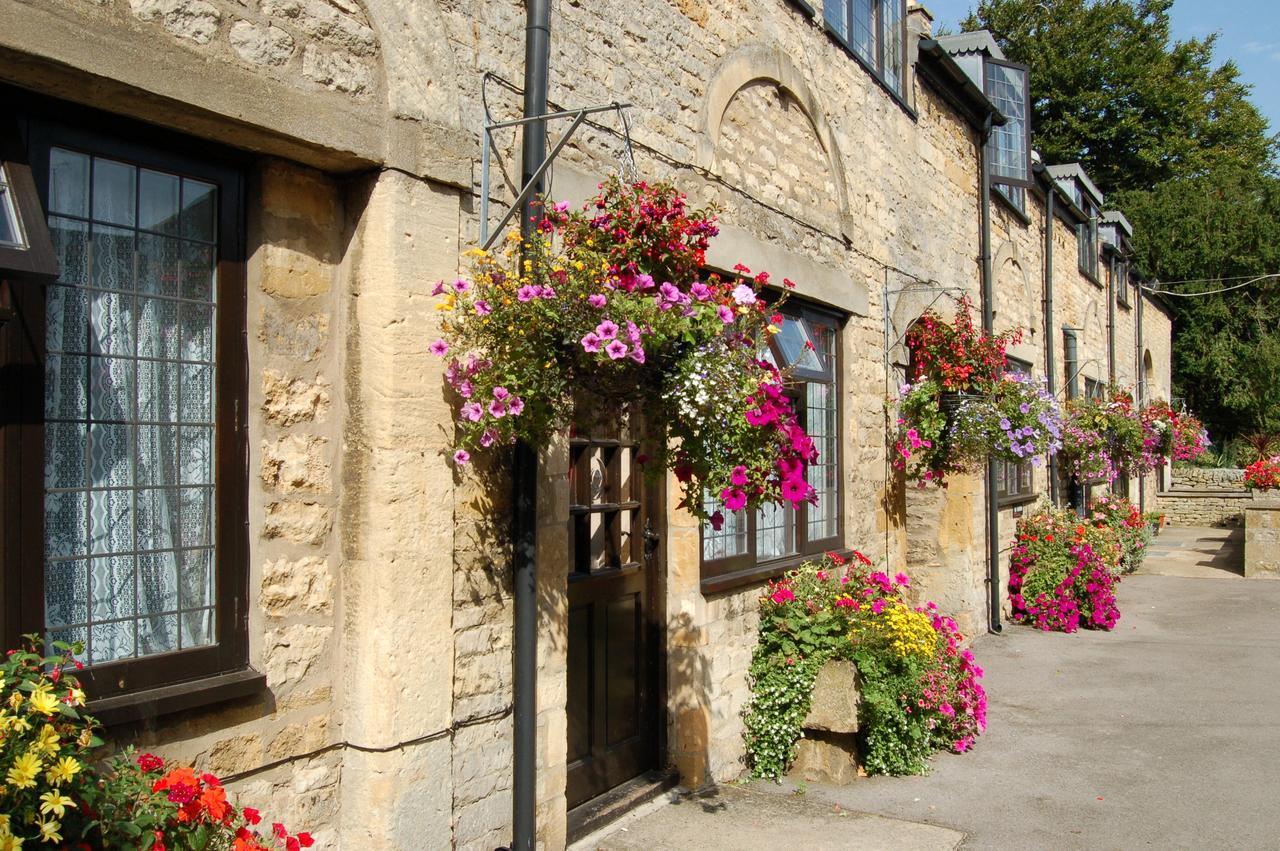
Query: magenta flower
{"points": [[739, 475], [547, 292], [438, 289], [461, 457], [465, 388], [472, 412], [644, 282], [461, 286], [501, 393], [616, 349], [487, 439], [637, 354], [439, 347], [607, 330], [877, 606], [591, 342], [725, 314], [795, 491], [528, 292], [700, 291], [734, 499], [782, 595], [497, 410], [633, 332], [515, 406], [902, 580], [482, 308], [597, 300], [560, 206]]}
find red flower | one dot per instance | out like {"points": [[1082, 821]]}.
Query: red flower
{"points": [[150, 762], [305, 839], [278, 830], [252, 816]]}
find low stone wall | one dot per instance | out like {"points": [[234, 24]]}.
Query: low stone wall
{"points": [[1187, 508], [1207, 478], [1262, 539]]}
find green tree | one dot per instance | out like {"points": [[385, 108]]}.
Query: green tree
{"points": [[1177, 146]]}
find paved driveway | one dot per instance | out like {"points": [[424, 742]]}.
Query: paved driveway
{"points": [[1162, 734]]}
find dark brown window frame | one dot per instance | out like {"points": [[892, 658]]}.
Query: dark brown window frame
{"points": [[1004, 469], [1027, 182], [162, 679], [744, 569], [874, 65]]}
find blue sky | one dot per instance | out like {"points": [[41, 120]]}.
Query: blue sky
{"points": [[1248, 31]]}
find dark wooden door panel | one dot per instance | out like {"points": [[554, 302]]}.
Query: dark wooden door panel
{"points": [[612, 665]]}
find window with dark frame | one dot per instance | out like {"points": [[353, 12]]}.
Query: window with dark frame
{"points": [[138, 506], [1122, 282], [1013, 480], [875, 32], [1008, 152], [807, 349], [1087, 238]]}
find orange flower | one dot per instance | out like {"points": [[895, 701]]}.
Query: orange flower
{"points": [[214, 802]]}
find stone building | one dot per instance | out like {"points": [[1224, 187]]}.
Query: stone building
{"points": [[243, 502]]}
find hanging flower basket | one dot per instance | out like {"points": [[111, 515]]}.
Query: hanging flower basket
{"points": [[612, 304]]}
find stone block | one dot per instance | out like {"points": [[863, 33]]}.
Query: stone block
{"points": [[286, 401], [191, 19], [291, 652], [835, 699], [297, 463], [300, 522], [292, 587], [261, 45], [826, 758]]}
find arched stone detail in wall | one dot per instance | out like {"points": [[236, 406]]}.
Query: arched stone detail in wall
{"points": [[1017, 303], [770, 67]]}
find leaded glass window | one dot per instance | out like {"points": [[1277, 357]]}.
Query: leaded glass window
{"points": [[1009, 146], [129, 408], [806, 350], [872, 30]]}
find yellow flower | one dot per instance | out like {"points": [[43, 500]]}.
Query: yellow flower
{"points": [[77, 696], [24, 770], [9, 842], [19, 725], [56, 803], [48, 740], [43, 702], [447, 303], [4, 824], [63, 770], [49, 831], [15, 700]]}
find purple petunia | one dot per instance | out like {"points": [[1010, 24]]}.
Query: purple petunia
{"points": [[597, 300], [607, 330], [461, 457], [591, 342], [482, 308], [725, 314], [616, 349], [472, 412], [439, 348]]}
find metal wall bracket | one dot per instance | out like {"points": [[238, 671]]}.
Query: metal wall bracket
{"points": [[489, 236]]}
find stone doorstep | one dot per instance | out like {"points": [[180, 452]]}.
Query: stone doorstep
{"points": [[828, 749]]}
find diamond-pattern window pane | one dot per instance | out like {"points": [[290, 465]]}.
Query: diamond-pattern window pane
{"points": [[730, 539], [823, 474], [129, 496]]}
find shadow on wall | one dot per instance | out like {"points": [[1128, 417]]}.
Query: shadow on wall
{"points": [[689, 702]]}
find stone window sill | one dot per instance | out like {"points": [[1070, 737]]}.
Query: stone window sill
{"points": [[180, 697]]}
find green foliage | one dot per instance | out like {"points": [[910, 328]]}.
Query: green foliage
{"points": [[1174, 140]]}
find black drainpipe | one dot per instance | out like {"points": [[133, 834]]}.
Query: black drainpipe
{"points": [[1111, 320], [988, 325], [1050, 201], [1070, 362], [1144, 392], [524, 526]]}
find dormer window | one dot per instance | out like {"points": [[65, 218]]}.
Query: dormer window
{"points": [[874, 32], [1087, 235], [1009, 145]]}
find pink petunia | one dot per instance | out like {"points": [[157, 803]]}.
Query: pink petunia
{"points": [[472, 412], [744, 294], [591, 342], [528, 292], [795, 491], [616, 349], [597, 300], [461, 457], [482, 308], [465, 388], [739, 475], [461, 286], [515, 406], [439, 348], [607, 330], [637, 354], [500, 393], [487, 439], [633, 332], [734, 499], [725, 314], [497, 410], [438, 289], [700, 291]]}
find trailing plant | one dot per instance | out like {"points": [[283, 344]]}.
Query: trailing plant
{"points": [[1017, 420], [1103, 438], [1170, 434], [1063, 572], [920, 687], [1263, 474], [611, 304], [53, 791], [947, 416]]}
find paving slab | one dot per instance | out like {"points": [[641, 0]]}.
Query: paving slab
{"points": [[735, 819], [1196, 553]]}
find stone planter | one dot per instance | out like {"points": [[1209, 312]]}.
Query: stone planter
{"points": [[1262, 536], [828, 750]]}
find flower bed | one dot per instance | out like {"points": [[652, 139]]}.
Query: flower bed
{"points": [[1133, 530], [920, 687], [1063, 570], [54, 793], [612, 304]]}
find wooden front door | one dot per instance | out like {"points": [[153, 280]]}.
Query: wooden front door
{"points": [[613, 641]]}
